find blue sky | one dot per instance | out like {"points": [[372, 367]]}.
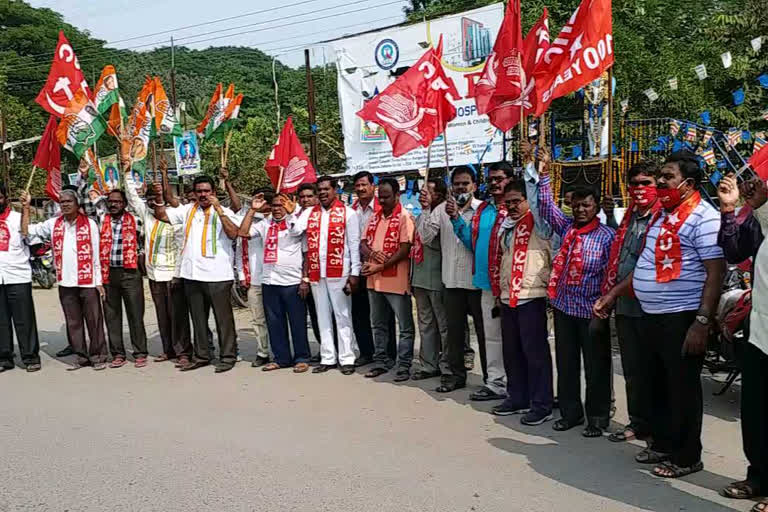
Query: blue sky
{"points": [[284, 30]]}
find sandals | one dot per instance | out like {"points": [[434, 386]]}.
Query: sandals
{"points": [[592, 431], [760, 507], [270, 367], [627, 434], [743, 490], [670, 470], [449, 388], [375, 372], [161, 358], [300, 368], [649, 456], [118, 362]]}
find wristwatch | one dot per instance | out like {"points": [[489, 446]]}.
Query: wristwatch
{"points": [[702, 319], [305, 280]]}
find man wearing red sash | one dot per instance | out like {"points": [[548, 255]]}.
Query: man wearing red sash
{"points": [[520, 272], [17, 309], [630, 234], [75, 241], [387, 242], [677, 279], [123, 282], [578, 271], [366, 205], [331, 270]]}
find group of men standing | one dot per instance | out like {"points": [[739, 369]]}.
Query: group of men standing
{"points": [[500, 261]]}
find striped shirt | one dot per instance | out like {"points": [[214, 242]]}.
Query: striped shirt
{"points": [[698, 242], [577, 300]]}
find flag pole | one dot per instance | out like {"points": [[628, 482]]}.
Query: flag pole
{"points": [[609, 185], [29, 181], [154, 160]]}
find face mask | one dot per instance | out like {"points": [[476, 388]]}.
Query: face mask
{"points": [[643, 195], [462, 199], [567, 211], [670, 197]]}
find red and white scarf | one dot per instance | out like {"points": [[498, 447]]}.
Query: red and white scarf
{"points": [[84, 249], [337, 228], [669, 254], [494, 252], [391, 237], [246, 262], [572, 243], [522, 236], [270, 244], [417, 249], [5, 233], [618, 242], [130, 247]]}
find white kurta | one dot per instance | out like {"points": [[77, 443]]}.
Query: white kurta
{"points": [[758, 318]]}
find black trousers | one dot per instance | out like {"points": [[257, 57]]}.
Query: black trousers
{"points": [[642, 390], [361, 323], [754, 414], [172, 317], [677, 412], [576, 337], [199, 295], [82, 307], [17, 312], [126, 286], [458, 304]]}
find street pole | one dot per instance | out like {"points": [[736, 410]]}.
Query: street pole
{"points": [[609, 186], [311, 110], [173, 76]]}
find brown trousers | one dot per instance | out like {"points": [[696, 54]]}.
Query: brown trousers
{"points": [[82, 307]]}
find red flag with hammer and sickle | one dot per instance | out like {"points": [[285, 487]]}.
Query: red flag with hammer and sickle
{"points": [[415, 108], [64, 78]]}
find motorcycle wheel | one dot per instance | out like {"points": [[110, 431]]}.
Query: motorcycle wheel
{"points": [[45, 280]]}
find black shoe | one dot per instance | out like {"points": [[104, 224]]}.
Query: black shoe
{"points": [[347, 369], [563, 424], [223, 367], [194, 366], [402, 375], [422, 374], [376, 372], [315, 359], [66, 351], [505, 409], [363, 360], [534, 418], [484, 394], [259, 361], [323, 368], [449, 388]]}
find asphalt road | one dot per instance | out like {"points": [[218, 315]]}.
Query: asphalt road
{"points": [[154, 439]]}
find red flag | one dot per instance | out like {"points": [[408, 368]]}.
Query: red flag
{"points": [[64, 78], [579, 55], [48, 157], [288, 165], [503, 74], [415, 108], [504, 110], [759, 162]]}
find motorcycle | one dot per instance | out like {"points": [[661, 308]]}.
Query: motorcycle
{"points": [[41, 261]]}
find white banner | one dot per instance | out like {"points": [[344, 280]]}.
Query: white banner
{"points": [[366, 65]]}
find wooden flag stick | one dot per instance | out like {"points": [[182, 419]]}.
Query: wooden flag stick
{"points": [[226, 147], [29, 181], [279, 180], [154, 160]]}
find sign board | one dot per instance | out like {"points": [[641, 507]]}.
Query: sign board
{"points": [[187, 153], [368, 63]]}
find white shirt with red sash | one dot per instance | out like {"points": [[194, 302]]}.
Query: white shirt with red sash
{"points": [[14, 253], [284, 268], [69, 258], [351, 242]]}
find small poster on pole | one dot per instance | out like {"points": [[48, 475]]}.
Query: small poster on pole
{"points": [[111, 171], [187, 153]]}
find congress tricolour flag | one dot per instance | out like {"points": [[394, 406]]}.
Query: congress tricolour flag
{"points": [[231, 114], [165, 118], [106, 93], [139, 127], [215, 114], [81, 125]]}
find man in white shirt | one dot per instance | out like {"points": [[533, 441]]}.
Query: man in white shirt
{"points": [[75, 241], [207, 269], [162, 244], [17, 310], [462, 297], [282, 237], [249, 259], [332, 266]]}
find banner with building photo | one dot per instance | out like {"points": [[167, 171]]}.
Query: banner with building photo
{"points": [[368, 63], [187, 154]]}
